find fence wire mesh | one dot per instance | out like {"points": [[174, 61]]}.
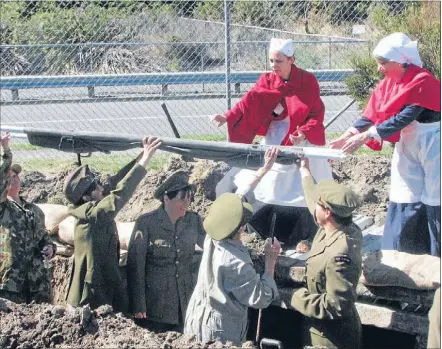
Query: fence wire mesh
{"points": [[108, 65]]}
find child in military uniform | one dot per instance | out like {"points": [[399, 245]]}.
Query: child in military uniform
{"points": [[95, 277], [23, 277], [333, 266], [161, 250], [227, 281], [38, 279]]}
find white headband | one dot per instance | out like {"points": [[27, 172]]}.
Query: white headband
{"points": [[398, 48], [283, 46]]}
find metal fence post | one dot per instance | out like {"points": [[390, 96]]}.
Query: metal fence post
{"points": [[91, 60], [329, 53], [227, 51]]}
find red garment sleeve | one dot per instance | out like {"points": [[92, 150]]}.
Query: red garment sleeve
{"points": [[313, 126]]}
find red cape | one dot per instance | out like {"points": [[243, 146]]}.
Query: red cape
{"points": [[300, 98], [417, 87]]}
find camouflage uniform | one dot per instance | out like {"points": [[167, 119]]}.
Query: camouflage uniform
{"points": [[23, 277]]}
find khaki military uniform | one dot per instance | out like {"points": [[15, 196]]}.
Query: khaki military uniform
{"points": [[95, 277], [333, 267], [227, 281], [159, 265], [23, 277]]}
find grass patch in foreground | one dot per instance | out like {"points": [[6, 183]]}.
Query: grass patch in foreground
{"points": [[206, 137], [387, 151], [24, 146], [105, 164]]}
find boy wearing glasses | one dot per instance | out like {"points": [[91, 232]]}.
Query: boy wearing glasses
{"points": [[159, 263], [333, 266]]}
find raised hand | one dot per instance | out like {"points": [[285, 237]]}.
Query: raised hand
{"points": [[150, 145], [270, 158], [4, 141]]}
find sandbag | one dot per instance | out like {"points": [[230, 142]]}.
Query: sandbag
{"points": [[54, 214], [394, 268], [66, 232], [124, 233]]}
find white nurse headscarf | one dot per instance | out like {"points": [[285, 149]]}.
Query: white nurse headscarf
{"points": [[398, 48], [283, 46]]}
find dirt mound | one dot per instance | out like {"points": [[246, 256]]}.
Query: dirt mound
{"points": [[45, 188], [204, 173], [49, 326], [368, 176]]}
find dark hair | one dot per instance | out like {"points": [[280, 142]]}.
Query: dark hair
{"points": [[342, 220], [173, 194], [88, 192], [247, 216]]}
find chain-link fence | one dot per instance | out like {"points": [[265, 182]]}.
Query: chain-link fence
{"points": [[108, 65]]}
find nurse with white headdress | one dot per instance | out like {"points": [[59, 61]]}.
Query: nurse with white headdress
{"points": [[285, 107], [405, 108]]}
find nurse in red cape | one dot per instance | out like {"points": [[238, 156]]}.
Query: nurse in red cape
{"points": [[404, 108], [285, 108]]}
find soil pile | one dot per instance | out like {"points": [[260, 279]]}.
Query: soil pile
{"points": [[50, 326], [368, 176]]}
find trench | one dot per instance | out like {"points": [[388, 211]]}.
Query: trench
{"points": [[286, 326]]}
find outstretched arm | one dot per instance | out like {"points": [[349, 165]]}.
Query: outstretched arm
{"points": [[109, 207], [269, 159]]}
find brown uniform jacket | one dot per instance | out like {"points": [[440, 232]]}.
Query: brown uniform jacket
{"points": [[159, 263], [95, 277], [333, 267]]}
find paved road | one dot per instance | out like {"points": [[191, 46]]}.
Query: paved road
{"points": [[146, 117]]}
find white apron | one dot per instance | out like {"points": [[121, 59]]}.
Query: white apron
{"points": [[415, 167], [282, 184]]}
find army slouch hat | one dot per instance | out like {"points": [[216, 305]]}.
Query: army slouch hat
{"points": [[16, 168], [77, 183], [226, 215], [179, 180], [338, 198]]}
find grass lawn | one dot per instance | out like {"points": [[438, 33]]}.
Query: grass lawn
{"points": [[109, 164]]}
